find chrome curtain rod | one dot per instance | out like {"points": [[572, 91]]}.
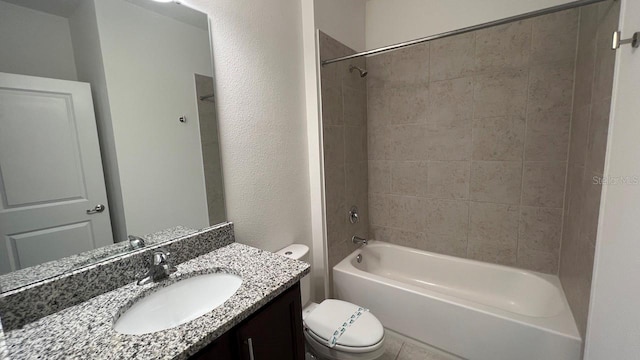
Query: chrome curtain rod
{"points": [[524, 16]]}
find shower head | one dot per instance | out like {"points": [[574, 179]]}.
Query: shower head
{"points": [[362, 71]]}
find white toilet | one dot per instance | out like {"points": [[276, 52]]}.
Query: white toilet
{"points": [[363, 339]]}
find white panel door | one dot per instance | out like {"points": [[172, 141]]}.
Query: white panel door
{"points": [[50, 172]]}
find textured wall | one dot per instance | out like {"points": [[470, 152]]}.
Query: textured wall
{"points": [[259, 82], [344, 128], [468, 141], [589, 128]]}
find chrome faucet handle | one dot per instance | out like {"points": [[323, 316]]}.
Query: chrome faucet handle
{"points": [[353, 215], [160, 257], [136, 242], [159, 268]]}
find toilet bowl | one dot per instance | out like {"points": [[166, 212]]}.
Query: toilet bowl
{"points": [[360, 335]]}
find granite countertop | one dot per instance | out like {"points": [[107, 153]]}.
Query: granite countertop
{"points": [[4, 354], [85, 331], [23, 277]]}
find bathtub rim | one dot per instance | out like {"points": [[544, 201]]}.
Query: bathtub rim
{"points": [[562, 324]]}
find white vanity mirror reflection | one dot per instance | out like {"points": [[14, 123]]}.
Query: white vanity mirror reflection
{"points": [[107, 129]]}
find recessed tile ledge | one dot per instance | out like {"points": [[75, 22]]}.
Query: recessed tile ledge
{"points": [[85, 331]]}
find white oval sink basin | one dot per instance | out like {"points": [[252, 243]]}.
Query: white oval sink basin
{"points": [[178, 303]]}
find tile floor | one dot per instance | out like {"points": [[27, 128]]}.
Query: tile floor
{"points": [[398, 347]]}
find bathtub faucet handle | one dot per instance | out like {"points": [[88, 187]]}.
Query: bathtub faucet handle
{"points": [[358, 240]]}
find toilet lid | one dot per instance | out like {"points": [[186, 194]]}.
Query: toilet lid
{"points": [[327, 317]]}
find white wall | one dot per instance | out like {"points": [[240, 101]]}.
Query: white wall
{"points": [[343, 20], [314, 148], [257, 52], [149, 87], [40, 43], [90, 68], [393, 21], [613, 328]]}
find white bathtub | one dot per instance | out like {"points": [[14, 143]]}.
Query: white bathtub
{"points": [[469, 308]]}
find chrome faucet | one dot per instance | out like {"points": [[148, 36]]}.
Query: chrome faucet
{"points": [[159, 269], [136, 242], [358, 240]]}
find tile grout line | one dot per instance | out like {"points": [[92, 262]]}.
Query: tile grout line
{"points": [[565, 198], [473, 116], [399, 351], [427, 125], [524, 143]]}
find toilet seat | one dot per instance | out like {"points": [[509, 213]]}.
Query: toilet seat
{"points": [[365, 335]]}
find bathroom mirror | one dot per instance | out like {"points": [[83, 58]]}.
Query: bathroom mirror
{"points": [[107, 130]]}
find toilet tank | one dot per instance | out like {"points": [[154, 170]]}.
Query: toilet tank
{"points": [[299, 252]]}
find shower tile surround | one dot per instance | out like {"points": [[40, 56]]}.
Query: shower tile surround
{"points": [[487, 145], [589, 124], [468, 142], [30, 303], [344, 119]]}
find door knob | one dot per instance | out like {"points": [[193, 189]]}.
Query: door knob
{"points": [[98, 209]]}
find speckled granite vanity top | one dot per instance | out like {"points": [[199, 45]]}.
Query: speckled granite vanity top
{"points": [[23, 277], [4, 352], [85, 331]]}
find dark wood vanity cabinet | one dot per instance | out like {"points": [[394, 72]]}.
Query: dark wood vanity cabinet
{"points": [[274, 332], [220, 349]]}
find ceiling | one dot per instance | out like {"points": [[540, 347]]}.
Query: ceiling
{"points": [[64, 8], [174, 10]]}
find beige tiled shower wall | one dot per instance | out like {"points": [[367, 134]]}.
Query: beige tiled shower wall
{"points": [[468, 142], [344, 119], [591, 105]]}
